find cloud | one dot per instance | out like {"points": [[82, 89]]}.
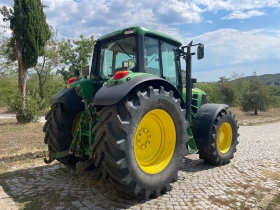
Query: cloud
{"points": [[232, 5], [231, 48], [243, 15], [214, 74], [177, 12], [209, 21], [74, 17]]}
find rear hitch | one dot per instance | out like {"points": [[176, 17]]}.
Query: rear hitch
{"points": [[82, 166], [53, 156]]}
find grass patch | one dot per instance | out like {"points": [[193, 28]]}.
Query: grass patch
{"points": [[30, 205], [274, 204], [19, 139], [17, 167], [272, 174], [271, 115]]}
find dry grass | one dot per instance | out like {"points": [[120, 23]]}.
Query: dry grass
{"points": [[5, 110], [19, 139], [272, 115], [218, 201], [19, 165], [272, 174], [274, 204]]}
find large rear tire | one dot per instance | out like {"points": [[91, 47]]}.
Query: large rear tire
{"points": [[58, 132], [141, 142], [223, 140]]}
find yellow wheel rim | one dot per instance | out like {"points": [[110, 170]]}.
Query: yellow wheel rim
{"points": [[76, 122], [224, 139], [154, 142]]}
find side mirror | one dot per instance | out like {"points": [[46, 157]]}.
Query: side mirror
{"points": [[200, 51], [85, 71]]}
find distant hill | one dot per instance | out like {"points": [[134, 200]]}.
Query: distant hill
{"points": [[269, 78]]}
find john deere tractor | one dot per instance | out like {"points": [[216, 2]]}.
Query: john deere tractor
{"points": [[134, 118]]}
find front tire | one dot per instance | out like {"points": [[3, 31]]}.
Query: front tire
{"points": [[141, 142], [223, 140]]}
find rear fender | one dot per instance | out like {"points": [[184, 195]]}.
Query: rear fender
{"points": [[109, 95], [69, 98], [203, 124]]}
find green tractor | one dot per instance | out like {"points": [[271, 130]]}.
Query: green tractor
{"points": [[134, 118]]}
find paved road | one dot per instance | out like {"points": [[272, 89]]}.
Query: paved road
{"points": [[238, 185]]}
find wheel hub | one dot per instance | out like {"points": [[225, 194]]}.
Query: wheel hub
{"points": [[144, 138]]}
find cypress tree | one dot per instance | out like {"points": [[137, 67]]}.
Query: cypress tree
{"points": [[30, 32]]}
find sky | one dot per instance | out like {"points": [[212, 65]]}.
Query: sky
{"points": [[240, 36]]}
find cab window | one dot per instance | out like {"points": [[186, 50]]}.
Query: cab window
{"points": [[169, 60], [151, 56]]}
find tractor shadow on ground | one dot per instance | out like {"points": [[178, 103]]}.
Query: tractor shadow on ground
{"points": [[51, 186], [196, 165]]}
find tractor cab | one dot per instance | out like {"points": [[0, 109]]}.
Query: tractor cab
{"points": [[140, 50]]}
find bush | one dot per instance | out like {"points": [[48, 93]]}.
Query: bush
{"points": [[8, 87], [277, 102], [30, 113], [211, 91]]}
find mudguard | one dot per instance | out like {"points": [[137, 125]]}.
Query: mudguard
{"points": [[203, 124], [69, 98], [109, 95]]}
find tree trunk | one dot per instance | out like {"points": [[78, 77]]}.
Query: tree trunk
{"points": [[41, 92], [256, 112], [22, 77], [40, 74]]}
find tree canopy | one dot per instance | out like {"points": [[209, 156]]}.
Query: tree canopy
{"points": [[30, 32], [256, 96], [74, 54]]}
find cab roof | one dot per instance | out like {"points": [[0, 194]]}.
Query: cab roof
{"points": [[142, 31]]}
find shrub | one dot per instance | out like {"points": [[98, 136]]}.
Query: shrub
{"points": [[30, 113]]}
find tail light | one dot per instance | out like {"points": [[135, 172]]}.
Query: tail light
{"points": [[120, 74], [71, 80]]}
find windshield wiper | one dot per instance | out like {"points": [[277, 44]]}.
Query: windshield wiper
{"points": [[122, 48]]}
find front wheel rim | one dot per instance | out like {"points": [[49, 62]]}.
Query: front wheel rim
{"points": [[224, 138]]}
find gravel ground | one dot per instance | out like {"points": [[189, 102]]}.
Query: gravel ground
{"points": [[239, 185]]}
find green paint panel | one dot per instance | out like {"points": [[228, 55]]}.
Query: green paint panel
{"points": [[191, 144], [128, 77], [143, 31], [196, 96], [86, 85]]}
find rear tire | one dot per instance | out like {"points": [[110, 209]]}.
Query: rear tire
{"points": [[58, 132], [117, 149], [223, 140]]}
